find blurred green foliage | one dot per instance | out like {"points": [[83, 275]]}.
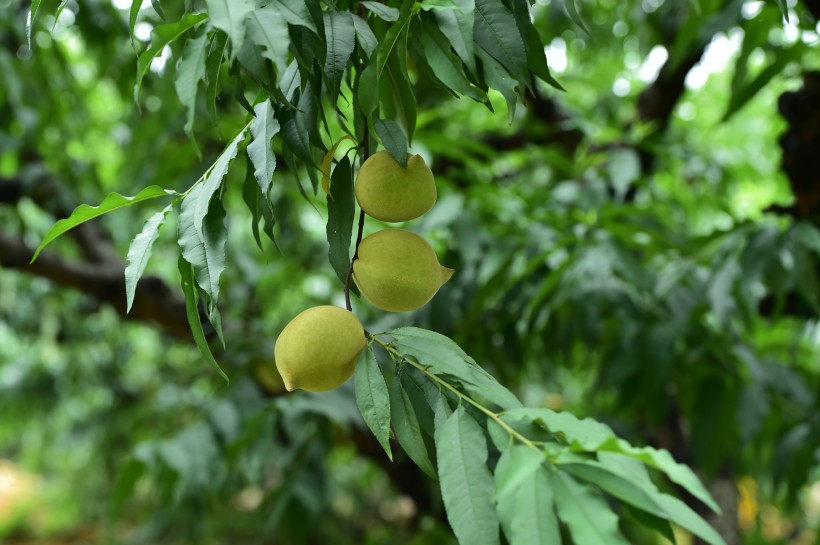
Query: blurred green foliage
{"points": [[668, 301]]}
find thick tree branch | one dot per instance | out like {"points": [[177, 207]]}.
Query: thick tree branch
{"points": [[657, 102], [45, 192], [155, 301]]}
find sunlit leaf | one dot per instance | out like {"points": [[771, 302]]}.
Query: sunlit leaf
{"points": [[229, 16], [260, 151], [30, 17], [203, 247], [83, 213], [161, 36], [269, 31], [140, 251], [213, 180], [190, 72], [216, 52], [132, 18]]}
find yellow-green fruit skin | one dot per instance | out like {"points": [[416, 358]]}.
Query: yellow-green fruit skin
{"points": [[388, 192], [398, 271], [317, 350]]}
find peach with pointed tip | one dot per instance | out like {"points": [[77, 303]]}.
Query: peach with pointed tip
{"points": [[389, 192], [398, 271], [317, 350]]}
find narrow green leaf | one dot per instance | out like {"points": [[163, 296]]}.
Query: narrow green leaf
{"points": [[229, 16], [443, 356], [364, 36], [260, 151], [204, 250], [381, 11], [466, 482], [589, 518], [406, 426], [186, 273], [341, 210], [190, 72], [497, 33], [57, 13], [140, 251], [457, 22], [404, 99], [584, 434], [215, 236], [161, 36], [423, 398], [83, 213], [369, 81], [784, 9], [132, 18], [295, 12], [341, 39], [295, 132], [627, 490], [213, 180], [158, 8], [30, 17], [499, 79], [662, 460], [368, 90], [658, 524], [536, 58], [686, 517], [517, 464], [441, 412], [372, 397], [393, 139], [575, 16], [252, 196], [268, 30], [446, 66], [216, 52], [634, 471], [525, 499], [291, 81]]}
